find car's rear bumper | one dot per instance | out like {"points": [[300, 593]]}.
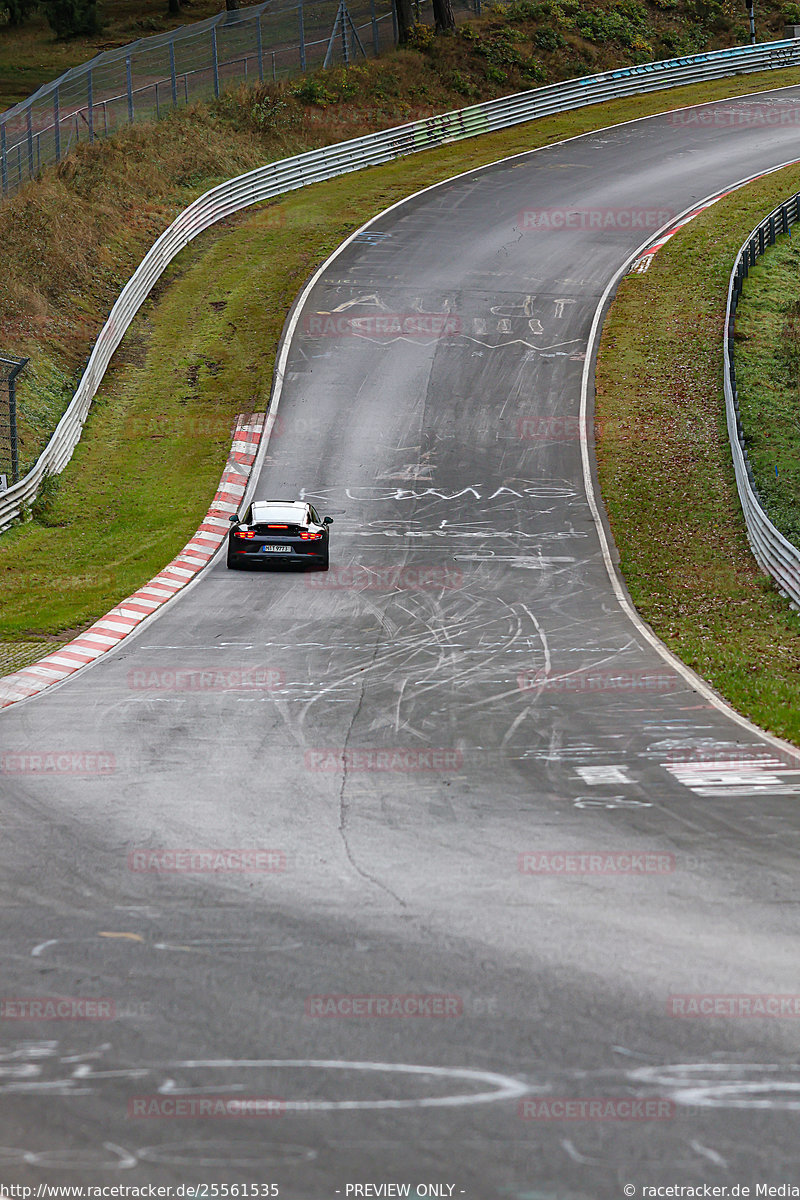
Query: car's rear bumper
{"points": [[259, 558]]}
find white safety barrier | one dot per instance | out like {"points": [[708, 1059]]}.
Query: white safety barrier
{"points": [[370, 150], [774, 553]]}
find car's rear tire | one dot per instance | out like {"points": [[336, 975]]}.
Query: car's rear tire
{"points": [[324, 563], [232, 563]]}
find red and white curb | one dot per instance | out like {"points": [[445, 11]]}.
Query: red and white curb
{"points": [[110, 630], [642, 263]]}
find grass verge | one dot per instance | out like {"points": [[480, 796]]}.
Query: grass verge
{"points": [[203, 350], [768, 378], [666, 475]]}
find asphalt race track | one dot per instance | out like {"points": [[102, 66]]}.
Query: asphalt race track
{"points": [[461, 689]]}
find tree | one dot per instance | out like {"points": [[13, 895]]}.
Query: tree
{"points": [[18, 10], [443, 16], [174, 8], [232, 5], [405, 20], [72, 18]]}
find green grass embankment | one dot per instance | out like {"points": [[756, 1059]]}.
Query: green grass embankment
{"points": [[666, 474]]}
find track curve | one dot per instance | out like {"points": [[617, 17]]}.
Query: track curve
{"points": [[488, 701]]}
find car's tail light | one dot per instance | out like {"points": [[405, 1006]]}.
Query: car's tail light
{"points": [[244, 535], [277, 527], [307, 536]]}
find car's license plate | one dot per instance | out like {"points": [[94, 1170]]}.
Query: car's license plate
{"points": [[276, 549]]}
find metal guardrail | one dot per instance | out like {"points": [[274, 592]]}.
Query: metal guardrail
{"points": [[775, 554], [372, 149]]}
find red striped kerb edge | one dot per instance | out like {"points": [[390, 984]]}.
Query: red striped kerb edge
{"points": [[110, 630]]}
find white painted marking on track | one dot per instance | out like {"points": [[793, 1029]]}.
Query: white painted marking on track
{"points": [[609, 802], [576, 1157], [219, 1153], [502, 1087], [604, 774], [772, 1086], [707, 1152], [737, 777], [36, 952]]}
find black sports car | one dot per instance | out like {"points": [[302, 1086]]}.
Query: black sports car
{"points": [[285, 531]]}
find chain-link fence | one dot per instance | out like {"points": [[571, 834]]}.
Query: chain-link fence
{"points": [[9, 440], [140, 81]]}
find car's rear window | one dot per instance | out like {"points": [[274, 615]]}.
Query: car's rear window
{"points": [[264, 514]]}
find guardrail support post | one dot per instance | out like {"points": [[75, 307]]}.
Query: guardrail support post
{"points": [[89, 104], [3, 157], [173, 78], [375, 40], [260, 49], [30, 141], [17, 365], [57, 124], [215, 61], [302, 37], [129, 79], [12, 428]]}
